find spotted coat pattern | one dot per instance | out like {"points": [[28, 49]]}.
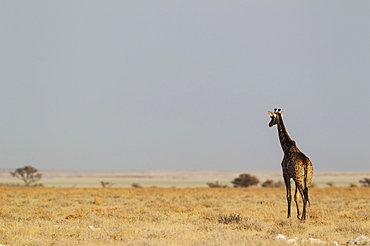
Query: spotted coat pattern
{"points": [[295, 165]]}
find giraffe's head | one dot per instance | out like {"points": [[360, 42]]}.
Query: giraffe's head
{"points": [[275, 116]]}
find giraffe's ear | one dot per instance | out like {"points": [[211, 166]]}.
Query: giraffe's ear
{"points": [[271, 113], [282, 113]]}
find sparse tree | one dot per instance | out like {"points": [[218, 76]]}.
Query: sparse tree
{"points": [[365, 182], [28, 174], [245, 180]]}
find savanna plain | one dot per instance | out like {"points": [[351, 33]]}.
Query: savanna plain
{"points": [[177, 216]]}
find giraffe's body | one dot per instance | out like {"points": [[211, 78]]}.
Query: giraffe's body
{"points": [[295, 165]]}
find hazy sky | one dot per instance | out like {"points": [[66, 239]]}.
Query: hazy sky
{"points": [[183, 85]]}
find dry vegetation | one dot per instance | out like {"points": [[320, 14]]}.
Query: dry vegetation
{"points": [[176, 216]]}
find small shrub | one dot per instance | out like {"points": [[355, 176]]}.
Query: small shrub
{"points": [[330, 184], [136, 185], [231, 218], [106, 184], [279, 183], [216, 185], [270, 183], [96, 201], [241, 223], [245, 180]]}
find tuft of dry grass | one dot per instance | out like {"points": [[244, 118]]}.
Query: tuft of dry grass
{"points": [[176, 216]]}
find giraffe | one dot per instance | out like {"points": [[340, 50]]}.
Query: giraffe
{"points": [[295, 165]]}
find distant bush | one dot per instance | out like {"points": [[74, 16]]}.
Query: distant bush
{"points": [[136, 185], [365, 182], [106, 184], [216, 185], [271, 183], [245, 180], [330, 184]]}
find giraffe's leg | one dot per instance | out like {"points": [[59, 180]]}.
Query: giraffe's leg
{"points": [[296, 200], [303, 218], [288, 193]]}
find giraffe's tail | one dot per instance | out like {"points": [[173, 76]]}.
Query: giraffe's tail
{"points": [[305, 193], [305, 190]]}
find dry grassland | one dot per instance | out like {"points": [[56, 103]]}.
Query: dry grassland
{"points": [[176, 216]]}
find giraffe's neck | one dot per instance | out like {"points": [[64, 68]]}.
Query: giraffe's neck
{"points": [[287, 144]]}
